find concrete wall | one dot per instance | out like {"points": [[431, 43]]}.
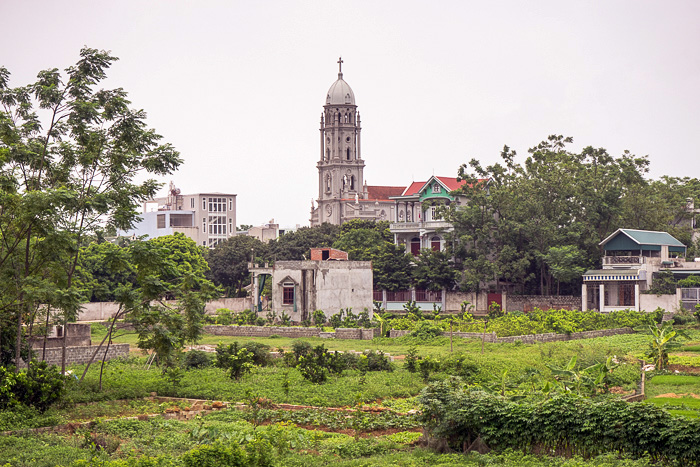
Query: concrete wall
{"points": [[543, 302], [453, 301], [77, 334], [102, 311], [82, 354], [670, 302], [528, 339], [323, 285]]}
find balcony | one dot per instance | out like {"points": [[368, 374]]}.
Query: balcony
{"points": [[398, 227], [622, 260]]}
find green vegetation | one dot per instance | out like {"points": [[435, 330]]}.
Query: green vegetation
{"points": [[534, 322], [564, 423]]}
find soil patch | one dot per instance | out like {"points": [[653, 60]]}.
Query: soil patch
{"points": [[684, 369]]}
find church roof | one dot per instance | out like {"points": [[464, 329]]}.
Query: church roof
{"points": [[383, 192], [340, 92]]}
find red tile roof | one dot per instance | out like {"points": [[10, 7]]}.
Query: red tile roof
{"points": [[413, 188], [452, 183], [383, 192]]}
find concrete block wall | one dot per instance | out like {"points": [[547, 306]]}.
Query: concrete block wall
{"points": [[262, 331], [293, 332], [82, 354]]}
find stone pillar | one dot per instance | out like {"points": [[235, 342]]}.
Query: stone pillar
{"points": [[601, 300], [584, 297]]}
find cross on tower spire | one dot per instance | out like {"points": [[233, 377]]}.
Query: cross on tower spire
{"points": [[340, 67]]}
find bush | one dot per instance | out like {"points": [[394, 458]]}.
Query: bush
{"points": [[197, 359], [319, 318], [427, 330], [564, 422], [300, 349], [216, 455], [377, 361], [260, 351], [234, 359], [39, 387]]}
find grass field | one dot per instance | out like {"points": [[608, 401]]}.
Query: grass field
{"points": [[170, 441]]}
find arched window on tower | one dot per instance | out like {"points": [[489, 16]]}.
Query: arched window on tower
{"points": [[351, 118], [328, 153], [347, 119], [352, 182], [347, 153]]}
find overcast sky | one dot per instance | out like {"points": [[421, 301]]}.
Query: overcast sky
{"points": [[238, 87]]}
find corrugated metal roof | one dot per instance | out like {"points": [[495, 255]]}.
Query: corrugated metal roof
{"points": [[646, 237]]}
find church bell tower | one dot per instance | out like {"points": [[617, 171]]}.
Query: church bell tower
{"points": [[340, 166]]}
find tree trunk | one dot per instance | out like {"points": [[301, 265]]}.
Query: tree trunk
{"points": [[109, 334]]}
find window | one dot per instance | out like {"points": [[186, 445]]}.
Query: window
{"points": [[204, 243], [230, 204], [204, 203], [434, 215], [217, 204], [204, 225], [217, 225], [288, 293], [192, 203], [230, 226], [436, 188], [161, 221]]}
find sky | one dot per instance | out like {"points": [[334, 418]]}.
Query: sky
{"points": [[238, 87]]}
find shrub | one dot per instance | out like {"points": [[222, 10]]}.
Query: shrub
{"points": [[236, 360], [216, 455], [427, 330], [319, 318], [197, 359], [39, 387], [411, 360], [377, 361], [300, 349], [260, 351]]}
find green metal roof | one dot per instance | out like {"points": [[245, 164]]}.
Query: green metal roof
{"points": [[645, 237]]}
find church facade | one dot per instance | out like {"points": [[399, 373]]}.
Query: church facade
{"points": [[343, 193]]}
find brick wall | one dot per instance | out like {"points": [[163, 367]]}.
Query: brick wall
{"points": [[531, 338], [317, 254], [82, 354]]}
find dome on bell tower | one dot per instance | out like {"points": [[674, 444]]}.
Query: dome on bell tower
{"points": [[340, 92]]}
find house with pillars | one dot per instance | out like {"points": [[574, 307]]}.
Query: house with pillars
{"points": [[418, 223], [630, 260]]}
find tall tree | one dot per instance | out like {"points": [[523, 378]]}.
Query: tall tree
{"points": [[229, 262], [66, 177]]}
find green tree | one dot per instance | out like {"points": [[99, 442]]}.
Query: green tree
{"points": [[65, 177], [297, 245], [360, 244], [564, 263], [228, 262], [434, 271], [392, 268]]}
